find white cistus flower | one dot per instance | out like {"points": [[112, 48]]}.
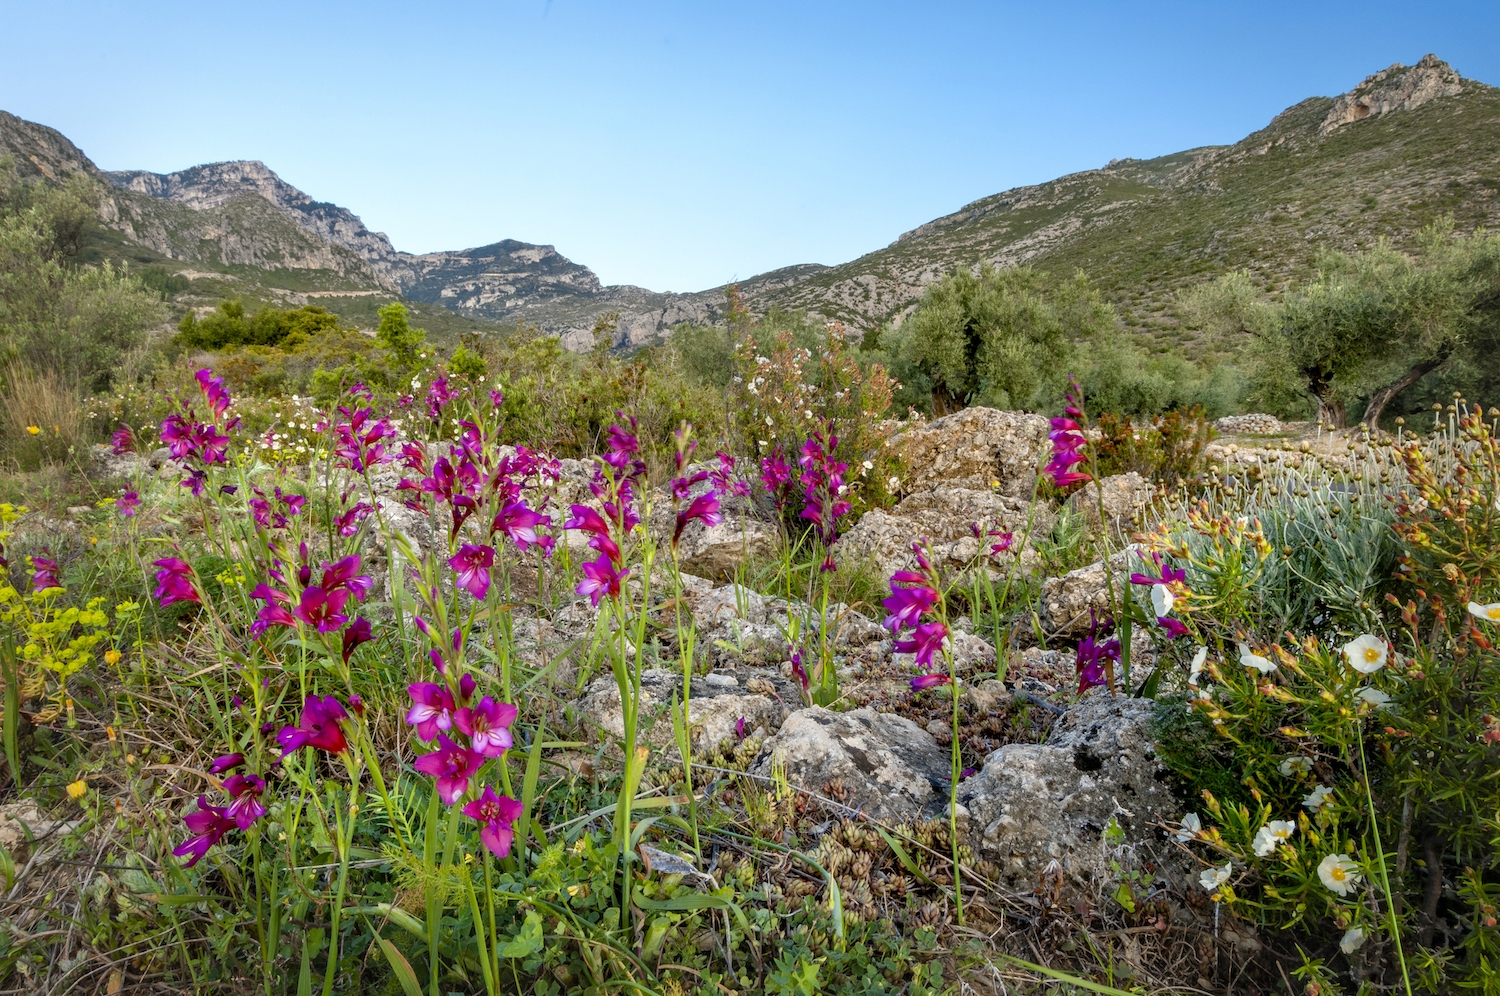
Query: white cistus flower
{"points": [[1366, 654], [1161, 600], [1196, 667], [1317, 798], [1250, 659], [1191, 827], [1272, 835], [1353, 940], [1489, 613], [1339, 873], [1374, 696], [1212, 878], [1294, 766]]}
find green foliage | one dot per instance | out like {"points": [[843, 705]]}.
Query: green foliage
{"points": [[228, 327], [1166, 449], [395, 335], [73, 322], [1369, 325], [998, 338]]}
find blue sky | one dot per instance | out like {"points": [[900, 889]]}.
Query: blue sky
{"points": [[682, 145]]}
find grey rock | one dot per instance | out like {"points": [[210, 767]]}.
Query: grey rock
{"points": [[976, 448], [1126, 497], [714, 710], [1032, 804], [944, 517], [1066, 600], [891, 768]]}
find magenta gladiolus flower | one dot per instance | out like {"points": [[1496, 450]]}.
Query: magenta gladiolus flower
{"points": [[1093, 653], [926, 640], [322, 609], [600, 578], [345, 575], [472, 564], [704, 508], [357, 632], [495, 814], [122, 440], [127, 503], [520, 523], [452, 766], [1164, 574], [1172, 627], [274, 612], [206, 825], [739, 728], [213, 390], [44, 574], [174, 581], [438, 395], [226, 762], [798, 671], [246, 791], [907, 604], [922, 681], [431, 709], [319, 727], [348, 523], [487, 725]]}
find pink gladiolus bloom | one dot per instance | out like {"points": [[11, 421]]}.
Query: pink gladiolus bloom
{"points": [[431, 709], [413, 457], [586, 519], [496, 398], [1092, 654], [495, 814], [274, 612], [246, 791], [213, 390], [452, 766], [907, 605], [322, 609], [127, 503], [345, 574], [348, 523], [438, 395], [357, 632], [487, 725], [319, 727], [520, 523], [44, 574], [174, 581], [926, 640], [1165, 575], [739, 728], [1172, 627], [1003, 542], [798, 671], [207, 824], [226, 762], [472, 564], [922, 681], [704, 508], [177, 436], [122, 440], [599, 579]]}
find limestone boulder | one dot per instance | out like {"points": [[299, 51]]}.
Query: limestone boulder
{"points": [[1034, 804], [888, 767], [978, 449], [945, 516], [1126, 498], [717, 704], [1066, 600]]}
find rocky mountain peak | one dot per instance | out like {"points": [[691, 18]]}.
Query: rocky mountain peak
{"points": [[41, 152], [1396, 88]]}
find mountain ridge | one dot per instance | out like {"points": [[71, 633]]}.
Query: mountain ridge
{"points": [[1405, 144]]}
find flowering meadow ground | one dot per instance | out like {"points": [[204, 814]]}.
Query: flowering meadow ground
{"points": [[281, 721]]}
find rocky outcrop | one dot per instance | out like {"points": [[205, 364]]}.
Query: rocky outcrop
{"points": [[1397, 88], [883, 765], [1066, 600], [1125, 499], [715, 552], [717, 705], [1033, 804], [979, 449], [945, 517], [1255, 423]]}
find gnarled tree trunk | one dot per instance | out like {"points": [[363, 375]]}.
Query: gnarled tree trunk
{"points": [[1383, 397]]}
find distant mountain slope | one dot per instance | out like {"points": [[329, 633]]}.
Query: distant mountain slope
{"points": [[1325, 173], [1404, 147]]}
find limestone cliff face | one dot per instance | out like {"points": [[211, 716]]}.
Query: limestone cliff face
{"points": [[1398, 88]]}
